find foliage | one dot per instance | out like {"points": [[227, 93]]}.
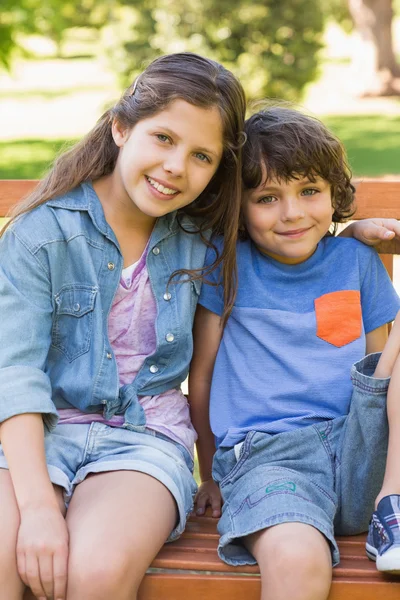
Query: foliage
{"points": [[50, 18], [272, 46]]}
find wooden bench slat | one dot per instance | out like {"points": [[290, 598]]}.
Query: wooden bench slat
{"points": [[163, 586]]}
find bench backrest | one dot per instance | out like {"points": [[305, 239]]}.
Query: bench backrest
{"points": [[375, 198]]}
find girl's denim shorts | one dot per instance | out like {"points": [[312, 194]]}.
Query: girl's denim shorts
{"points": [[326, 475], [74, 451]]}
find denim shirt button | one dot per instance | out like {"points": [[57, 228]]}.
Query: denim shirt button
{"points": [[170, 337], [167, 296], [77, 307], [111, 266], [153, 369], [109, 355], [156, 250]]}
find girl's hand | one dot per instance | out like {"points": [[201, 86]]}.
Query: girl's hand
{"points": [[42, 552], [208, 495], [374, 231]]}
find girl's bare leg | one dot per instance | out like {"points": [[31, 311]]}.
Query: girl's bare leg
{"points": [[295, 562], [11, 586], [117, 523], [389, 366]]}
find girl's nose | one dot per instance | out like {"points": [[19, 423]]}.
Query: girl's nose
{"points": [[175, 163]]}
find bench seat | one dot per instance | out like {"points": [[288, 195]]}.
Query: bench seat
{"points": [[190, 569]]}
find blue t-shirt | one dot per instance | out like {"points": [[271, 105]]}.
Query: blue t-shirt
{"points": [[285, 356]]}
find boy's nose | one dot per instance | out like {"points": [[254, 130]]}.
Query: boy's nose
{"points": [[292, 210]]}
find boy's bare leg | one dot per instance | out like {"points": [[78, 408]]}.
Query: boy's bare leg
{"points": [[295, 562], [389, 366]]}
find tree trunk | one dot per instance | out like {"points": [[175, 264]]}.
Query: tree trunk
{"points": [[376, 61]]}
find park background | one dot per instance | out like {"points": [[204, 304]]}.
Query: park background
{"points": [[63, 62]]}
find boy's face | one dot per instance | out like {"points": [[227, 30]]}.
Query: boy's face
{"points": [[287, 220]]}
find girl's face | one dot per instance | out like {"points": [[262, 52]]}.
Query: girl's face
{"points": [[287, 220], [167, 160]]}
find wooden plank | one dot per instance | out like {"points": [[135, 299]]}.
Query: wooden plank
{"points": [[11, 192], [377, 198], [167, 586]]}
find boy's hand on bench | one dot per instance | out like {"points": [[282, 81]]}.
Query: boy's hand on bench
{"points": [[208, 495]]}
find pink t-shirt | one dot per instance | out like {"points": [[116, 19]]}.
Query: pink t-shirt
{"points": [[131, 330]]}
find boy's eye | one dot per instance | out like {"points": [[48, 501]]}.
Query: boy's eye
{"points": [[266, 200], [202, 157], [309, 192]]}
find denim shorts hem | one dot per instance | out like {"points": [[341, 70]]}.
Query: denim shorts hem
{"points": [[56, 475], [362, 375], [229, 537]]}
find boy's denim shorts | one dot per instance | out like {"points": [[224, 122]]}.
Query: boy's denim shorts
{"points": [[74, 451], [326, 475]]}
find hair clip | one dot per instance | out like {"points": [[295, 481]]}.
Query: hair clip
{"points": [[135, 86]]}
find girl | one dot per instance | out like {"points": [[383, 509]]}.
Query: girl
{"points": [[96, 339], [277, 380]]}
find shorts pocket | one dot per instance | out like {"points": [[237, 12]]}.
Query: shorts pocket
{"points": [[338, 316], [72, 325]]}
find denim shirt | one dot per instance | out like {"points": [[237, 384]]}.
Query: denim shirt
{"points": [[60, 267]]}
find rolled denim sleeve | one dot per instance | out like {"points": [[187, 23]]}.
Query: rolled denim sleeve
{"points": [[26, 310]]}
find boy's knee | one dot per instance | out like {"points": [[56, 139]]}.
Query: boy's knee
{"points": [[298, 549]]}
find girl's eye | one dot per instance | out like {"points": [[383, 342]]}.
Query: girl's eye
{"points": [[162, 137], [309, 192], [266, 200], [202, 157]]}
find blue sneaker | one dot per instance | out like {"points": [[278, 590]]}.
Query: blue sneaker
{"points": [[383, 541]]}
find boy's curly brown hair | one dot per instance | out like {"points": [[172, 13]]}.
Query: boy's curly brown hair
{"points": [[284, 143]]}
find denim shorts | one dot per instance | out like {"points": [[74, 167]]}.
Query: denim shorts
{"points": [[73, 451], [323, 475]]}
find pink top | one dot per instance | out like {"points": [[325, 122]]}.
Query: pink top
{"points": [[131, 330]]}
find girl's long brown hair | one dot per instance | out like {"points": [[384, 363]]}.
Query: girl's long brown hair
{"points": [[201, 82]]}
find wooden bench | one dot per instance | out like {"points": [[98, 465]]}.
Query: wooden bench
{"points": [[190, 568]]}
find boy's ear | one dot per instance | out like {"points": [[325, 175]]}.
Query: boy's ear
{"points": [[120, 134]]}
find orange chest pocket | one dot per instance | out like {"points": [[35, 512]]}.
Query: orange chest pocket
{"points": [[338, 317]]}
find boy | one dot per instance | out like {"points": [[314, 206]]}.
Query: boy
{"points": [[289, 431]]}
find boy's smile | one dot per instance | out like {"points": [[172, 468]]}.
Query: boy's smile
{"points": [[286, 220]]}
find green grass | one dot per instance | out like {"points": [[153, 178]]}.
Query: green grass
{"points": [[372, 143], [28, 159]]}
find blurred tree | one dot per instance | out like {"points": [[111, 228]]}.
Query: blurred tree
{"points": [[373, 22], [50, 18], [272, 46], [374, 56]]}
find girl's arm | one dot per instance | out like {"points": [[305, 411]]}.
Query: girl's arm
{"points": [[207, 336], [42, 543], [376, 339], [373, 231]]}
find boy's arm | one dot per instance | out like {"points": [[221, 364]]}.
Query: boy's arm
{"points": [[207, 334]]}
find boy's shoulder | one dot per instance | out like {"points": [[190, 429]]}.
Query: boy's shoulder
{"points": [[348, 247]]}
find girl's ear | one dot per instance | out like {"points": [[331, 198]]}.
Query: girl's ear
{"points": [[120, 134]]}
